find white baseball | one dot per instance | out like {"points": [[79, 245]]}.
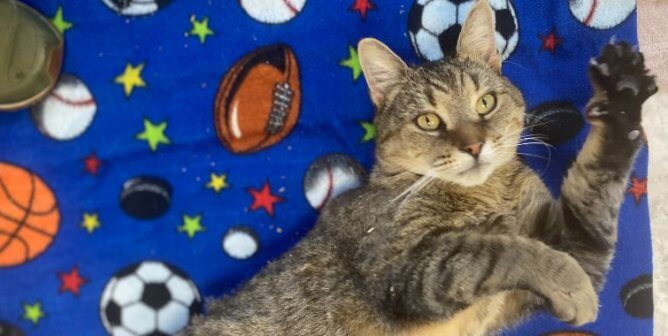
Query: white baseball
{"points": [[330, 176], [240, 243], [272, 11], [67, 111], [601, 14]]}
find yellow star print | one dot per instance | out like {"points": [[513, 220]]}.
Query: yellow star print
{"points": [[90, 222], [131, 78], [59, 22], [154, 134], [200, 28], [369, 131], [33, 312], [218, 182], [352, 62], [191, 225]]}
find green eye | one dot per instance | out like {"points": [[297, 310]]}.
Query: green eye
{"points": [[428, 121], [485, 104]]}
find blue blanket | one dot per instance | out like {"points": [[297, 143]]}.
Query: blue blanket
{"points": [[190, 142]]}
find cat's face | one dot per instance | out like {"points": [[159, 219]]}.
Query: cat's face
{"points": [[457, 119]]}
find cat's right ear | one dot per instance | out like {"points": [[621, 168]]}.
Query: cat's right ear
{"points": [[477, 38], [382, 68]]}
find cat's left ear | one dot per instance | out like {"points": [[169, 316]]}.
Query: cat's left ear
{"points": [[477, 38], [382, 68]]}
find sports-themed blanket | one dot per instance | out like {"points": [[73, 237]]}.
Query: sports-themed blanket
{"points": [[189, 142]]}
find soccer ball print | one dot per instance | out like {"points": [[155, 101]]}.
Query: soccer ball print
{"points": [[148, 298], [434, 26], [136, 7]]}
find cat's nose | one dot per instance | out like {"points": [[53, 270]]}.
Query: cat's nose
{"points": [[474, 149]]}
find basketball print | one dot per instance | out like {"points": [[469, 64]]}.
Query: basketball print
{"points": [[29, 215], [258, 101], [601, 14], [272, 11]]}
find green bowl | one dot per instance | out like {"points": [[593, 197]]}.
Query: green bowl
{"points": [[31, 54]]}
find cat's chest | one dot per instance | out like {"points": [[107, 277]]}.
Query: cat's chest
{"points": [[489, 214]]}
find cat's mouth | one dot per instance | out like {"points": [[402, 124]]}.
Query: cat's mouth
{"points": [[476, 167]]}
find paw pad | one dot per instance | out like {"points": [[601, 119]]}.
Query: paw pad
{"points": [[623, 84]]}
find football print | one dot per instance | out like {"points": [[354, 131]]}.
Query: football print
{"points": [[148, 298], [258, 100], [434, 26]]}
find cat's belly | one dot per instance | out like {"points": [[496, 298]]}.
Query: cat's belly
{"points": [[479, 319]]}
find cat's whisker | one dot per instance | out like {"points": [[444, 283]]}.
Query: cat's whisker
{"points": [[534, 155], [516, 64], [423, 183], [413, 186]]}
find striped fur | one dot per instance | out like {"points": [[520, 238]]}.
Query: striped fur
{"points": [[438, 243]]}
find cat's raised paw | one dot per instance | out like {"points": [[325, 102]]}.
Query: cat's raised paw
{"points": [[622, 83]]}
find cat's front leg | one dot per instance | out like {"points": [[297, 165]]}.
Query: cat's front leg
{"points": [[593, 190], [444, 273]]}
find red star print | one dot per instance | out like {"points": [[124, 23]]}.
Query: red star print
{"points": [[638, 188], [71, 281], [92, 164], [264, 199], [551, 41], [362, 6]]}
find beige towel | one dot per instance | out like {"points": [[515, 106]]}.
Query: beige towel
{"points": [[653, 36]]}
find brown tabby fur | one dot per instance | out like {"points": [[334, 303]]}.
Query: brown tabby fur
{"points": [[440, 242]]}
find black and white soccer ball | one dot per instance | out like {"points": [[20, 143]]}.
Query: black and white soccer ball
{"points": [[136, 7], [148, 298], [434, 26]]}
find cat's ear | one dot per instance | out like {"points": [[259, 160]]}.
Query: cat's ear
{"points": [[382, 68], [477, 38]]}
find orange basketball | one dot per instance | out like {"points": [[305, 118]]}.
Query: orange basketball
{"points": [[29, 216]]}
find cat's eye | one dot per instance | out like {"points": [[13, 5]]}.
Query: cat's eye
{"points": [[485, 104], [428, 121]]}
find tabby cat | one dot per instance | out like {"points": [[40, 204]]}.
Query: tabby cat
{"points": [[453, 234]]}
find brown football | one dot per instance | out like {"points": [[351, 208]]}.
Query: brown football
{"points": [[258, 100]]}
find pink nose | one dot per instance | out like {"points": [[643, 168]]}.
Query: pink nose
{"points": [[474, 149]]}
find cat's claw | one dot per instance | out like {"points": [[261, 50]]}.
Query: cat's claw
{"points": [[622, 83]]}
